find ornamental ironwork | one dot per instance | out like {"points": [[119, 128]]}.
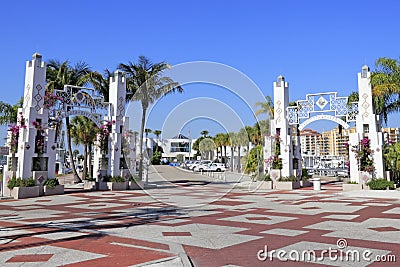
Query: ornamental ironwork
{"points": [[74, 100], [323, 103]]}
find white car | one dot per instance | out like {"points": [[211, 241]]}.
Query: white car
{"points": [[197, 163], [190, 166], [200, 167], [216, 167]]}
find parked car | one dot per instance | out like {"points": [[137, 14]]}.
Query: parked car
{"points": [[201, 162], [190, 166], [200, 167], [216, 167]]}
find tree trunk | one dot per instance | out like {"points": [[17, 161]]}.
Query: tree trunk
{"points": [[90, 161], [225, 158], [67, 126], [232, 155], [85, 152], [239, 161], [141, 144]]}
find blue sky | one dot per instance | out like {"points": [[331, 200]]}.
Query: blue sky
{"points": [[319, 46]]}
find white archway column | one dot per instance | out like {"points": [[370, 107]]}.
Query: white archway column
{"points": [[117, 100], [368, 124], [280, 125]]}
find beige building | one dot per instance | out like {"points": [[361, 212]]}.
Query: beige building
{"points": [[391, 134], [309, 142]]}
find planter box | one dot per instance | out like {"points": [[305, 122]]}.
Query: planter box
{"points": [[305, 183], [117, 186], [25, 192], [89, 185], [287, 185], [352, 187], [57, 190], [265, 185], [137, 185]]}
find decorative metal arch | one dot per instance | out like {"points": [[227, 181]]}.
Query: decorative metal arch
{"points": [[325, 103], [84, 102]]}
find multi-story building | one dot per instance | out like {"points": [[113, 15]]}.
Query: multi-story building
{"points": [[391, 134], [309, 142]]}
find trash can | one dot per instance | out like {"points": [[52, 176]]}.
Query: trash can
{"points": [[317, 184]]}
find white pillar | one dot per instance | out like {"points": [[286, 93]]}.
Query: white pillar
{"points": [[368, 124], [117, 100], [281, 124]]}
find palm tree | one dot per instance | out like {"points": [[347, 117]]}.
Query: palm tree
{"points": [[241, 139], [232, 143], [157, 133], [266, 107], [84, 131], [9, 113], [204, 133], [59, 74], [147, 131], [75, 153], [207, 146], [219, 142], [101, 82], [385, 82], [146, 83]]}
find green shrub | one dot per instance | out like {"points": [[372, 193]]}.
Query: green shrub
{"points": [[18, 182], [156, 158], [51, 183], [380, 184], [304, 174], [288, 179], [352, 182], [117, 179]]}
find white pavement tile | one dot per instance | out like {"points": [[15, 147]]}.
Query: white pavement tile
{"points": [[61, 235], [284, 232], [393, 211], [96, 206], [62, 256], [201, 235], [258, 218], [341, 217]]}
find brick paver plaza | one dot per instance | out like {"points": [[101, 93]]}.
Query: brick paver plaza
{"points": [[190, 223]]}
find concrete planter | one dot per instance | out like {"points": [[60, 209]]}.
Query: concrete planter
{"points": [[57, 190], [25, 192], [305, 183], [89, 185], [287, 185], [117, 186], [135, 185], [265, 185], [352, 187]]}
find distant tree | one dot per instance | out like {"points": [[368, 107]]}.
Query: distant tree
{"points": [[204, 133], [206, 147], [266, 107], [9, 113]]}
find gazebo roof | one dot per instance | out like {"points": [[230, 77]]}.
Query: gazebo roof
{"points": [[180, 136]]}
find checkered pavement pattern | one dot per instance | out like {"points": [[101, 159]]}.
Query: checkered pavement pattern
{"points": [[196, 225]]}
